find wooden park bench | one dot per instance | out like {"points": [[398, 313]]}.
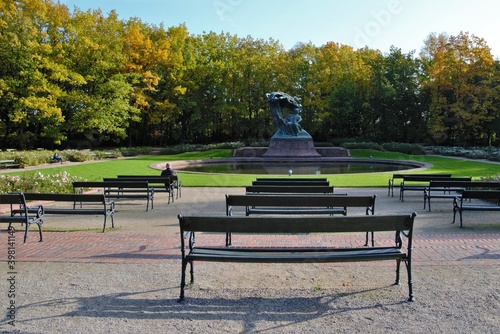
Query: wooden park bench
{"points": [[4, 164], [27, 218], [289, 189], [421, 182], [80, 204], [291, 182], [305, 204], [155, 181], [453, 188], [401, 225], [476, 200], [120, 190], [390, 186]]}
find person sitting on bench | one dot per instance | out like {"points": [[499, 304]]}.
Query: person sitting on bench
{"points": [[168, 172], [57, 158]]}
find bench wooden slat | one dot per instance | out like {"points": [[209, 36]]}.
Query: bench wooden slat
{"points": [[298, 256], [290, 182], [290, 189], [283, 225]]}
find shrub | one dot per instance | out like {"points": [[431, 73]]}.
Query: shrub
{"points": [[363, 145], [414, 149], [133, 151], [488, 153], [38, 182]]}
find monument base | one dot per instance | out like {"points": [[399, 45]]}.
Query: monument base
{"points": [[291, 148]]}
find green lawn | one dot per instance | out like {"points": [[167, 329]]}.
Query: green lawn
{"points": [[140, 165]]}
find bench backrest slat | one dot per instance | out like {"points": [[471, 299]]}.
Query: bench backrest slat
{"points": [[425, 178], [150, 180], [312, 200], [14, 198], [290, 189], [401, 176], [111, 184], [17, 199], [284, 225], [98, 198], [292, 179], [481, 194], [148, 177], [287, 182]]}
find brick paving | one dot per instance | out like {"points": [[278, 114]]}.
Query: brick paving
{"points": [[135, 248], [445, 244]]}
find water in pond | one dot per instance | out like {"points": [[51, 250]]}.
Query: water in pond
{"points": [[297, 168]]}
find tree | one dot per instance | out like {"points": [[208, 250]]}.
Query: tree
{"points": [[455, 67]]}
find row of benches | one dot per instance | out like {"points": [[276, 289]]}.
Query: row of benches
{"points": [[297, 200], [133, 187], [467, 195]]}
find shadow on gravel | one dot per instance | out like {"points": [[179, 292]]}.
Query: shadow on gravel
{"points": [[284, 311]]}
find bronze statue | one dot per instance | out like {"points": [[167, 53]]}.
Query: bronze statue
{"points": [[286, 126]]}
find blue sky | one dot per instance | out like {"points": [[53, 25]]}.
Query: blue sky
{"points": [[375, 23]]}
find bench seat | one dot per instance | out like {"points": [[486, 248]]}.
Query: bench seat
{"points": [[295, 255]]}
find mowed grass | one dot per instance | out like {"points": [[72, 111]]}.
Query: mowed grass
{"points": [[141, 166]]}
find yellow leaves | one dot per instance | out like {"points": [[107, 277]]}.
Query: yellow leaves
{"points": [[150, 80], [180, 90]]}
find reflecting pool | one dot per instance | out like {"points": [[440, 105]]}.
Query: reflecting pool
{"points": [[298, 168]]}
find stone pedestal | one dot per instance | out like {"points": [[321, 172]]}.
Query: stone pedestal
{"points": [[291, 148]]}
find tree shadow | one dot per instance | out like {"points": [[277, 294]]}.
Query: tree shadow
{"points": [[284, 311]]}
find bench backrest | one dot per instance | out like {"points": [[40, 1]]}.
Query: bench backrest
{"points": [[155, 179], [290, 189], [482, 194], [316, 179], [290, 183], [464, 184], [292, 224], [16, 199], [98, 198], [286, 182], [111, 184], [311, 200], [427, 178], [401, 176]]}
